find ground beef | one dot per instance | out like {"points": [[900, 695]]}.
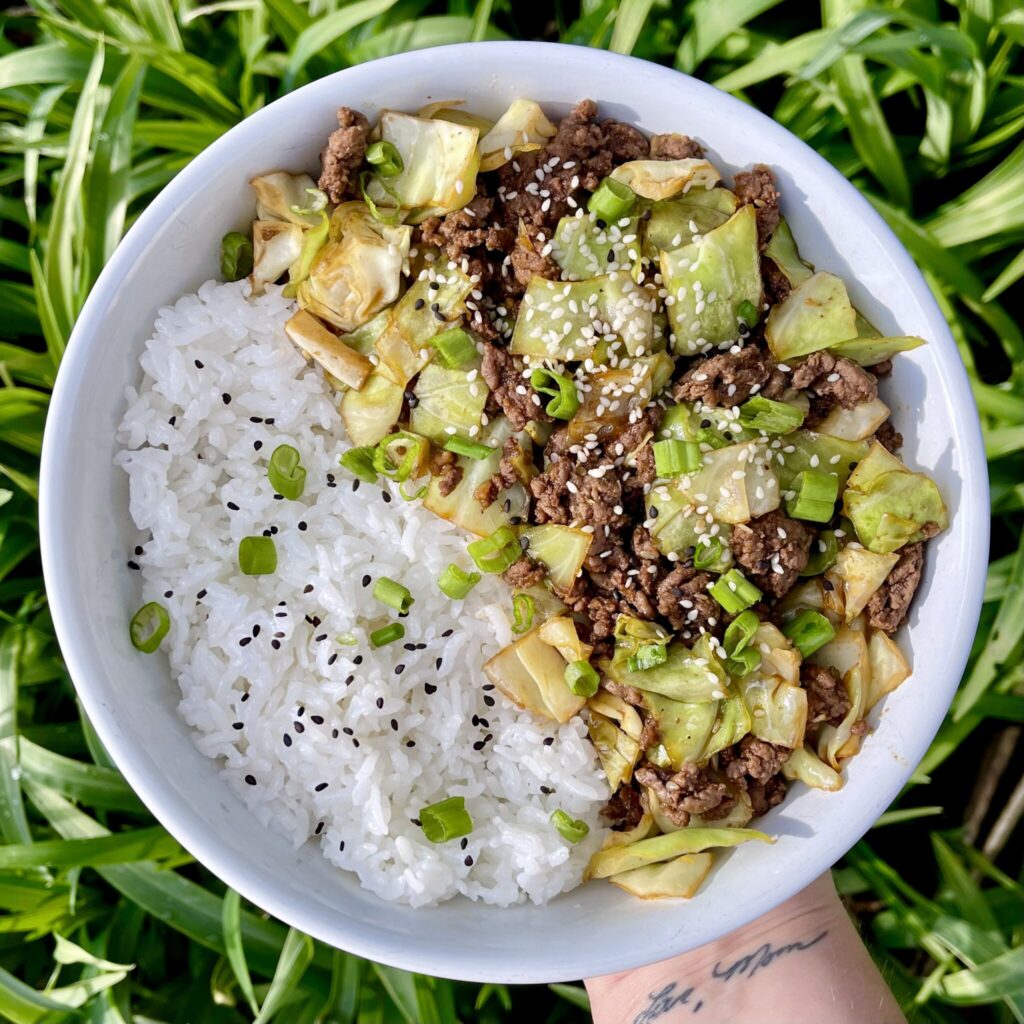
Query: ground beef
{"points": [[466, 234], [757, 186], [343, 155], [675, 147], [599, 611], [684, 601], [827, 699], [643, 546], [773, 549], [689, 791], [528, 262], [645, 468], [550, 495], [754, 765], [882, 369], [888, 606], [582, 152], [503, 374], [523, 574], [889, 437], [725, 379], [445, 466], [639, 431], [835, 379], [487, 493], [624, 810], [776, 284], [593, 500], [630, 694]]}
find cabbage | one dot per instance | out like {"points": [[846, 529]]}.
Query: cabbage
{"points": [[447, 401], [782, 251], [440, 165], [531, 674], [871, 350], [778, 710], [615, 393], [683, 422], [733, 724], [675, 222], [358, 271], [857, 423], [548, 327], [857, 574], [521, 129], [560, 633], [804, 449], [581, 248], [276, 246], [679, 878], [805, 766], [678, 527], [545, 604], [889, 505], [447, 110], [778, 656], [847, 653], [694, 676], [615, 729], [363, 338], [718, 274], [289, 197], [816, 314], [662, 179], [370, 413], [338, 359], [684, 730], [660, 848], [461, 506], [643, 828], [560, 549], [889, 667]]}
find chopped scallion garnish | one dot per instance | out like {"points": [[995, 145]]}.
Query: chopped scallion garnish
{"points": [[285, 472], [456, 583], [387, 634], [759, 413], [674, 458], [816, 495], [560, 389], [347, 639], [401, 455], [447, 819], [149, 625], [648, 656], [235, 256], [496, 552], [394, 216], [454, 347], [581, 678], [747, 312], [612, 200], [359, 462], [734, 592], [742, 663], [572, 830], [385, 158], [257, 556], [707, 555], [740, 632], [393, 594], [522, 610], [808, 631], [471, 449]]}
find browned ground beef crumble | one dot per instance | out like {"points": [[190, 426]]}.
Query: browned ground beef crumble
{"points": [[499, 239]]}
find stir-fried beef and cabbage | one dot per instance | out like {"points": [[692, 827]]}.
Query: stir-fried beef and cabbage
{"points": [[585, 348]]}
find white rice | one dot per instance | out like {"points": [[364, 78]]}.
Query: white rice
{"points": [[188, 452]]}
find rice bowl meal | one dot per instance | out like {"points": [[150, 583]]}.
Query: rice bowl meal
{"points": [[521, 509]]}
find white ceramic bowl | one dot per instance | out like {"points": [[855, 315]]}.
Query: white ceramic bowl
{"points": [[86, 532]]}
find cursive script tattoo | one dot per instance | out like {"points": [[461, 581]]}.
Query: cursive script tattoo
{"points": [[763, 956], [666, 999]]}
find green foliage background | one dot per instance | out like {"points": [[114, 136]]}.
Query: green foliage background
{"points": [[919, 103]]}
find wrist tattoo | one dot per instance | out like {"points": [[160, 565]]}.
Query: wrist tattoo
{"points": [[763, 956], [668, 998]]}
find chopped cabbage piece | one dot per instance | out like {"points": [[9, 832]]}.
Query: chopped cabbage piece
{"points": [[523, 128], [782, 251], [716, 274], [857, 423], [660, 848], [816, 314], [856, 574], [363, 338], [581, 246], [733, 724], [677, 879], [889, 667], [662, 179], [338, 359], [847, 654], [778, 656], [694, 676], [448, 403], [276, 246], [560, 633], [870, 350], [561, 549], [778, 710], [805, 766], [615, 729], [288, 197], [643, 828], [684, 730], [676, 222], [447, 110], [616, 392], [370, 413], [804, 449]]}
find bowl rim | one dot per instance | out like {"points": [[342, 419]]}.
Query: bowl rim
{"points": [[67, 608]]}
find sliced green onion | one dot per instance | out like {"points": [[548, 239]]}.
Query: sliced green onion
{"points": [[471, 449], [734, 592], [456, 583], [401, 455], [317, 203], [235, 256], [759, 413], [581, 678], [707, 555], [561, 390], [384, 156], [257, 556], [570, 829], [496, 552], [740, 632], [447, 819], [454, 347], [346, 639], [285, 472], [747, 312], [393, 594], [387, 634], [359, 462], [675, 423], [149, 625], [611, 200], [648, 656], [816, 495], [394, 216], [742, 663], [523, 607], [808, 631], [418, 493], [674, 458], [823, 554]]}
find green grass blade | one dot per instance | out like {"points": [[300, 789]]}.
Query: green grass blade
{"points": [[995, 979], [120, 848], [36, 65], [401, 989], [342, 1005], [898, 817], [629, 20], [13, 820], [1010, 274], [296, 955], [710, 23], [21, 1004], [572, 994], [231, 924]]}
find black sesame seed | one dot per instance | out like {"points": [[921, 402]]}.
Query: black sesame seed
{"points": [[321, 638], [255, 419], [172, 421], [269, 420], [168, 593], [250, 780], [488, 700], [463, 843], [421, 647], [704, 424], [355, 484], [515, 520], [355, 742], [506, 506], [276, 644], [257, 445], [394, 724], [256, 630], [487, 686], [548, 740], [419, 304], [433, 286], [409, 647], [232, 506], [485, 723], [347, 731], [266, 533], [386, 496], [278, 497], [273, 531], [330, 478], [417, 822], [341, 846], [601, 224], [448, 632], [366, 580], [139, 549], [438, 315], [430, 688], [479, 745], [468, 861], [380, 703], [476, 719], [134, 565], [244, 697], [333, 658], [399, 669], [237, 726], [653, 512], [299, 727], [287, 740], [524, 543], [349, 680], [611, 256], [308, 588], [319, 828], [489, 737], [410, 743], [300, 712], [437, 663], [334, 734], [226, 398], [546, 790], [245, 641], [317, 719], [828, 585], [200, 595], [320, 787], [199, 365]]}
